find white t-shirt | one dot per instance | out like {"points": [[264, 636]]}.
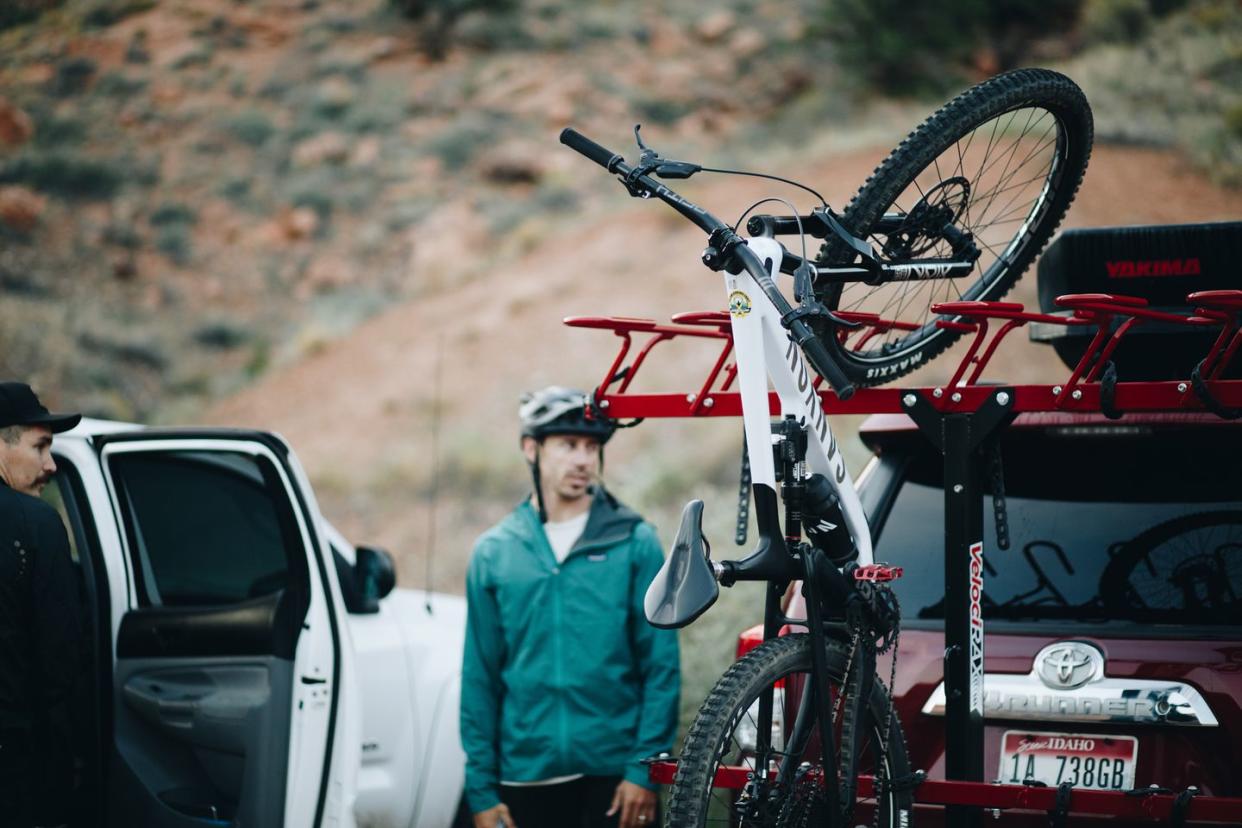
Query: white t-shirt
{"points": [[561, 537]]}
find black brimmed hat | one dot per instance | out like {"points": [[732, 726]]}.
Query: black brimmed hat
{"points": [[20, 406]]}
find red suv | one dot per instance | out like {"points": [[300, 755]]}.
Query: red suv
{"points": [[1113, 655], [1112, 595]]}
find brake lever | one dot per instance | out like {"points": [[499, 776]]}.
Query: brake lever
{"points": [[649, 161]]}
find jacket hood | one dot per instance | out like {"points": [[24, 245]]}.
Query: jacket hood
{"points": [[610, 520]]}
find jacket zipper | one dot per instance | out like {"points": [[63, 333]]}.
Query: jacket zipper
{"points": [[560, 677]]}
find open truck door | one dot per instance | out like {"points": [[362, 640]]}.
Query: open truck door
{"points": [[227, 685]]}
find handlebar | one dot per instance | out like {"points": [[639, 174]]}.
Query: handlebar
{"points": [[579, 143], [806, 339]]}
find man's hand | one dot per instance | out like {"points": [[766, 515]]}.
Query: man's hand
{"points": [[636, 804], [495, 817]]}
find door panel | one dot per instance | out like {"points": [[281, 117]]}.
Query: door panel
{"points": [[198, 733], [223, 610]]}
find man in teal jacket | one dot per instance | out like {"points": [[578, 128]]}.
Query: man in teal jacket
{"points": [[565, 686]]}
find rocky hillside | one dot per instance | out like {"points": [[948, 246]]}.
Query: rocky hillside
{"points": [[285, 213], [195, 191]]}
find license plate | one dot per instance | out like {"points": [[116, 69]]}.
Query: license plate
{"points": [[1101, 763]]}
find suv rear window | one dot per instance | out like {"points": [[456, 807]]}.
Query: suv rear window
{"points": [[1113, 523]]}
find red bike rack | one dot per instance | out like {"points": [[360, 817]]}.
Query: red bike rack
{"points": [[956, 418], [1079, 393]]}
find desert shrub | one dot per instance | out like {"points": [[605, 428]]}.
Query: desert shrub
{"points": [[64, 174], [57, 130], [17, 12], [236, 190], [319, 201], [104, 13], [221, 335], [1233, 121], [123, 235], [1115, 21], [1178, 85], [176, 242], [439, 17], [72, 76], [120, 85], [195, 57], [457, 145], [915, 47], [135, 352], [660, 110], [173, 213], [250, 127]]}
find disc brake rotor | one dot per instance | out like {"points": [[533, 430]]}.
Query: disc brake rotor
{"points": [[923, 227]]}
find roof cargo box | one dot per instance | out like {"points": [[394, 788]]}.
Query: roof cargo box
{"points": [[1162, 264]]}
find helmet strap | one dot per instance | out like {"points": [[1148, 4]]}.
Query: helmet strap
{"points": [[534, 471]]}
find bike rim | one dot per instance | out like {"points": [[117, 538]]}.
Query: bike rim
{"points": [[1014, 162]]}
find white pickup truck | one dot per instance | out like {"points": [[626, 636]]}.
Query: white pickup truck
{"points": [[246, 665]]}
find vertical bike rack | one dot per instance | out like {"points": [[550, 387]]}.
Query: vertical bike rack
{"points": [[962, 420]]}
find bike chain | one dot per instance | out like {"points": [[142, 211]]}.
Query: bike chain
{"points": [[798, 808], [845, 679], [881, 775]]}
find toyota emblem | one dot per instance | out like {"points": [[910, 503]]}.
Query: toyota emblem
{"points": [[1069, 664]]}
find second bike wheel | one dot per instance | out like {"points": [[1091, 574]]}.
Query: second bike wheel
{"points": [[1187, 569], [723, 735], [1002, 161]]}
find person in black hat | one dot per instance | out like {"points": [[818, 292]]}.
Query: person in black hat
{"points": [[40, 631]]}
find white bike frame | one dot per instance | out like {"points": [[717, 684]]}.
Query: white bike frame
{"points": [[764, 350]]}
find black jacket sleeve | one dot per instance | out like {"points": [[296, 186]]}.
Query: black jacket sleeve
{"points": [[56, 631]]}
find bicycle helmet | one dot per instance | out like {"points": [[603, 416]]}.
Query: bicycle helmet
{"points": [[560, 410]]}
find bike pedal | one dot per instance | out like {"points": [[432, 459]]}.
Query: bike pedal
{"points": [[877, 573]]}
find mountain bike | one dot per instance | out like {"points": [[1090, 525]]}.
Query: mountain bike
{"points": [[801, 731]]}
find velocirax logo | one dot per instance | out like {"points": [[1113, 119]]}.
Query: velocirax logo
{"points": [[1126, 269], [976, 627], [1069, 664]]}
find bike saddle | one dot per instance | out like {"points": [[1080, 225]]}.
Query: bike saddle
{"points": [[685, 587]]}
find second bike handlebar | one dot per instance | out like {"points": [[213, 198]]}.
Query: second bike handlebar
{"points": [[806, 339]]}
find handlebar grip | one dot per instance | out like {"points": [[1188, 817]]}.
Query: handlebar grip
{"points": [[824, 365], [578, 142]]}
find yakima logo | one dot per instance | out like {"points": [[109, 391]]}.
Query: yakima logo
{"points": [[1127, 269]]}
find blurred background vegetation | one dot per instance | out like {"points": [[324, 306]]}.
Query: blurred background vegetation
{"points": [[171, 170], [199, 196]]}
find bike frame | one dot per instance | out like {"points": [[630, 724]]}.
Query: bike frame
{"points": [[765, 351]]}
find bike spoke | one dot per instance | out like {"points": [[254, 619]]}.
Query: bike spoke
{"points": [[1007, 161]]}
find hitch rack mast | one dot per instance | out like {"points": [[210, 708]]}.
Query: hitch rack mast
{"points": [[957, 419]]}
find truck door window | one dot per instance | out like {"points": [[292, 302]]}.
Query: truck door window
{"points": [[204, 527]]}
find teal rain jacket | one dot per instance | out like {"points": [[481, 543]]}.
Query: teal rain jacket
{"points": [[562, 674]]}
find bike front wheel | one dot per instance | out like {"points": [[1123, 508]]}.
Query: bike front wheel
{"points": [[1001, 162], [724, 735]]}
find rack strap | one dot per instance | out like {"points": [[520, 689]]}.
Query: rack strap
{"points": [[1061, 808]]}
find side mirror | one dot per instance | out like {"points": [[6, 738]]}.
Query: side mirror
{"points": [[376, 575]]}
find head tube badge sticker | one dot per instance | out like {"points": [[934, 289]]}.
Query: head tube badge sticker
{"points": [[739, 303]]}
